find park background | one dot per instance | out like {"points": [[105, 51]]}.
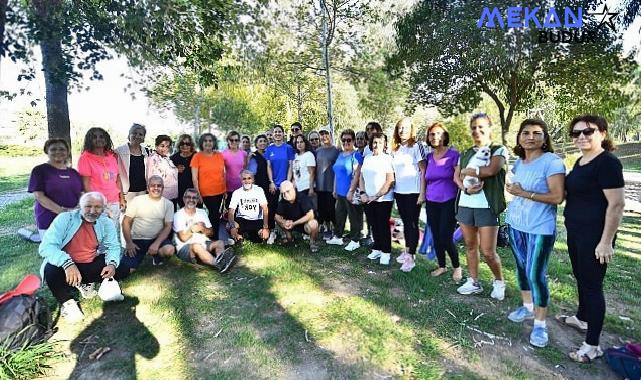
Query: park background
{"points": [[193, 66]]}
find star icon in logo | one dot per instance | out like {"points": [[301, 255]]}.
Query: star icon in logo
{"points": [[607, 17]]}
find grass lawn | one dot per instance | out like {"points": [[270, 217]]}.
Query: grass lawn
{"points": [[283, 313], [14, 172]]}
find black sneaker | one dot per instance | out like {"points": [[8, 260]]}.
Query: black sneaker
{"points": [[157, 260], [222, 261], [228, 263]]}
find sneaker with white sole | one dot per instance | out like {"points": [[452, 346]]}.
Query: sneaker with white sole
{"points": [[498, 290], [335, 240], [401, 258], [352, 246], [520, 314], [470, 287], [408, 265], [385, 258], [87, 291], [272, 238], [375, 254], [71, 312]]}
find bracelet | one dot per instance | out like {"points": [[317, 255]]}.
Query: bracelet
{"points": [[532, 196]]}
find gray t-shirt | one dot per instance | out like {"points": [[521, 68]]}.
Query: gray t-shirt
{"points": [[325, 159]]}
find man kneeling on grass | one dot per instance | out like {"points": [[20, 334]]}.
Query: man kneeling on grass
{"points": [[248, 211], [192, 228], [70, 252], [147, 225], [296, 214]]}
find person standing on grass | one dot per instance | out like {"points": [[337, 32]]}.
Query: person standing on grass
{"points": [[71, 258], [538, 187], [296, 214], [56, 186], [280, 158], [593, 212], [361, 143], [182, 161], [345, 183], [160, 165], [132, 162], [248, 212], [440, 197], [98, 167], [146, 226], [479, 207], [192, 237], [408, 160], [326, 156], [377, 196], [208, 175], [235, 162], [304, 169]]}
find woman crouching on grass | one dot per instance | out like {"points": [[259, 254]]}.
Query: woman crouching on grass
{"points": [[537, 187]]}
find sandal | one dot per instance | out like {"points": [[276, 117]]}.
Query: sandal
{"points": [[438, 271], [586, 354], [572, 321]]}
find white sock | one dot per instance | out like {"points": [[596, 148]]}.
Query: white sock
{"points": [[538, 323], [499, 282], [529, 306]]}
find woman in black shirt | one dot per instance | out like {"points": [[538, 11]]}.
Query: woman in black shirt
{"points": [[593, 212], [182, 159]]}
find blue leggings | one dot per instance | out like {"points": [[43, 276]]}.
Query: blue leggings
{"points": [[531, 252]]}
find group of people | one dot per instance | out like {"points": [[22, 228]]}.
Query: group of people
{"points": [[306, 184]]}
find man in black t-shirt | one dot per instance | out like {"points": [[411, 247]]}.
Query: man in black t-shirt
{"points": [[296, 214]]}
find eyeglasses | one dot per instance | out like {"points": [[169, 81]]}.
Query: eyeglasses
{"points": [[233, 140], [185, 143], [346, 140], [247, 178], [586, 132], [295, 129], [190, 197], [323, 133], [314, 139]]}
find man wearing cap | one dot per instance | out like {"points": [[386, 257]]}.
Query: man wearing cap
{"points": [[296, 214]]}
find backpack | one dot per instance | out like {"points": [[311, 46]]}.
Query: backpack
{"points": [[625, 361]]}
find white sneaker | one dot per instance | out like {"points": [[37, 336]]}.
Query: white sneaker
{"points": [[335, 241], [87, 291], [401, 258], [272, 238], [374, 255], [498, 290], [385, 257], [470, 287], [71, 312], [353, 245]]}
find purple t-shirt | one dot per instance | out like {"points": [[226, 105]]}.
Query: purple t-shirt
{"points": [[62, 186], [234, 164], [439, 176]]}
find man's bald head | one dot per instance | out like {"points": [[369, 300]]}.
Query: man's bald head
{"points": [[288, 191]]}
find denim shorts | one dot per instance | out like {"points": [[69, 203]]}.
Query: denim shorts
{"points": [[143, 244]]}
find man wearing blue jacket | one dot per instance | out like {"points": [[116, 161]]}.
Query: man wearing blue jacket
{"points": [[71, 257]]}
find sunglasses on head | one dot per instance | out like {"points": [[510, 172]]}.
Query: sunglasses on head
{"points": [[586, 132]]}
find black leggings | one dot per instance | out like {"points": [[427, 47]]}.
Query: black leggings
{"points": [[56, 278], [589, 273], [379, 213], [409, 212], [442, 221], [326, 206], [213, 207]]}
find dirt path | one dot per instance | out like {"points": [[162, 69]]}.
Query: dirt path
{"points": [[12, 197]]}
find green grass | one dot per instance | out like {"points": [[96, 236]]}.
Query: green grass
{"points": [[630, 156], [31, 362], [14, 172], [282, 313]]}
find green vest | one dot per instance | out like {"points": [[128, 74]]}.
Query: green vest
{"points": [[493, 187]]}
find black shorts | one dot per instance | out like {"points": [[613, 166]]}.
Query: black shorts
{"points": [[246, 225]]}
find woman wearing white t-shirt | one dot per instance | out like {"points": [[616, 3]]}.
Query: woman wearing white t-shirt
{"points": [[304, 167], [377, 176], [408, 160]]}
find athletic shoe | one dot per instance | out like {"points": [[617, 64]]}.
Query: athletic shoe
{"points": [[520, 314], [408, 265], [228, 264], [272, 238], [313, 247], [71, 312], [470, 287], [368, 242], [539, 336], [335, 241], [498, 290], [87, 290], [375, 254], [327, 235], [157, 260], [385, 257], [352, 246], [225, 260], [401, 258]]}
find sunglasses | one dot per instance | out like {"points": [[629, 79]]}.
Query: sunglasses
{"points": [[586, 132], [234, 140], [185, 143], [313, 139], [295, 129], [346, 140]]}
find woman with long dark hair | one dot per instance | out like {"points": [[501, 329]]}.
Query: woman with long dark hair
{"points": [[161, 165], [182, 161], [208, 175], [304, 169], [132, 162]]}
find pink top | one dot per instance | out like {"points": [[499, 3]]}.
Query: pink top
{"points": [[102, 172], [234, 164], [164, 167]]}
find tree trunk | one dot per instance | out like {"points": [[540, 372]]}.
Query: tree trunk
{"points": [[328, 77], [3, 17]]}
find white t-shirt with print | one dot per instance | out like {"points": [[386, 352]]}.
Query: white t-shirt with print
{"points": [[479, 200], [247, 202], [301, 173]]}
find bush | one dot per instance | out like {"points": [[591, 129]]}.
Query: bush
{"points": [[19, 150]]}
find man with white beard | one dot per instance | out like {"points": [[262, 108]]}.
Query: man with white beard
{"points": [[192, 238], [248, 213], [70, 252]]}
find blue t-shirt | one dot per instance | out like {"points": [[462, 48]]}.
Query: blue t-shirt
{"points": [[279, 156], [344, 171], [527, 215]]}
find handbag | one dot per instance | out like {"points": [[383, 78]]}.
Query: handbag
{"points": [[110, 290]]}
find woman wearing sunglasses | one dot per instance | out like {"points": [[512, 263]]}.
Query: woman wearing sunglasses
{"points": [[132, 162], [182, 160], [235, 162], [593, 212]]}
